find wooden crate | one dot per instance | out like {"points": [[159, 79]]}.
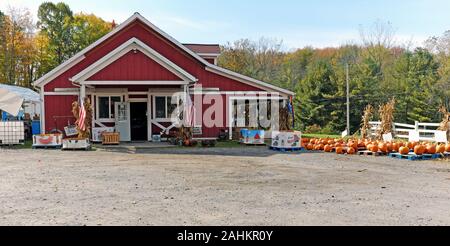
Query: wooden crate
{"points": [[111, 138]]}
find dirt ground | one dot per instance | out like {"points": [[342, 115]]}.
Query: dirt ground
{"points": [[229, 186]]}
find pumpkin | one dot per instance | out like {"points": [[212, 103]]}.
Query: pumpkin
{"points": [[419, 149], [351, 151], [431, 149], [382, 147], [373, 148], [361, 143], [395, 147], [400, 144], [440, 149], [339, 150], [410, 145], [319, 147], [403, 150], [312, 140], [389, 147], [328, 148], [330, 142], [310, 146], [447, 147]]}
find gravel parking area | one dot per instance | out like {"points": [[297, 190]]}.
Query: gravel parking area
{"points": [[220, 186]]}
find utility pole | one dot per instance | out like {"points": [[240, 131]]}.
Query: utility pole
{"points": [[348, 99]]}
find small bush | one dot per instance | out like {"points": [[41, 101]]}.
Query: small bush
{"points": [[316, 129], [313, 129]]}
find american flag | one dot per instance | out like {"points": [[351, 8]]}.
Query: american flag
{"points": [[82, 117], [188, 111]]}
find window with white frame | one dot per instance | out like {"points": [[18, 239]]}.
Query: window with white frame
{"points": [[164, 107], [105, 106]]}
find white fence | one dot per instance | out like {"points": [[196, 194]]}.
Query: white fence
{"points": [[426, 131]]}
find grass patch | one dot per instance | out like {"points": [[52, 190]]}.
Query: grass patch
{"points": [[321, 136], [27, 145]]}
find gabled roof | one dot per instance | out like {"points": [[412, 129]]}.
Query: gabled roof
{"points": [[132, 44], [204, 49], [136, 16]]}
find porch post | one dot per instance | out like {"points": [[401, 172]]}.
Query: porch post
{"points": [[82, 91]]}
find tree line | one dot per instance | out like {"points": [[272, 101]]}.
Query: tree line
{"points": [[29, 49], [379, 69]]}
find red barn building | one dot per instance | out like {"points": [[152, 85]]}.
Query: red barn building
{"points": [[134, 70]]}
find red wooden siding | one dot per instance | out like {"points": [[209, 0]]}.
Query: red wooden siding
{"points": [[59, 107], [134, 67]]}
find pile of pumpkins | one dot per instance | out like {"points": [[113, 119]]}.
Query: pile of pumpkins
{"points": [[351, 146], [340, 146]]}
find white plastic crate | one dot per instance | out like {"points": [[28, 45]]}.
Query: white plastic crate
{"points": [[12, 132]]}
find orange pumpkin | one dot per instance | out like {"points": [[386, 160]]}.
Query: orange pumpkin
{"points": [[447, 147], [440, 149], [403, 150], [389, 147], [431, 149], [395, 147], [373, 148], [328, 148], [383, 147], [419, 149], [339, 150], [351, 151], [310, 146], [410, 145], [330, 142], [361, 143]]}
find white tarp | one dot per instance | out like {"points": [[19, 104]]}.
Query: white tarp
{"points": [[12, 98]]}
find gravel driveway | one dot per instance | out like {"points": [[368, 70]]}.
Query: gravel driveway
{"points": [[221, 186]]}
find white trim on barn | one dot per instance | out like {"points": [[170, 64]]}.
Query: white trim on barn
{"points": [[135, 82]]}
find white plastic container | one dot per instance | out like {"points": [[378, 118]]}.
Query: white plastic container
{"points": [[12, 132]]}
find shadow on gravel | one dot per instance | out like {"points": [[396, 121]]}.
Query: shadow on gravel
{"points": [[238, 152]]}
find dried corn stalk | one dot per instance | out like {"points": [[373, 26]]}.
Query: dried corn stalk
{"points": [[285, 119], [444, 126], [365, 126], [386, 112], [86, 133]]}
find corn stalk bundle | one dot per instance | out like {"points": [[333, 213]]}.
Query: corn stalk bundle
{"points": [[444, 125], [386, 112], [86, 133], [365, 126], [185, 133], [285, 119]]}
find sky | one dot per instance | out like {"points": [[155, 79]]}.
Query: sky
{"points": [[297, 23]]}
